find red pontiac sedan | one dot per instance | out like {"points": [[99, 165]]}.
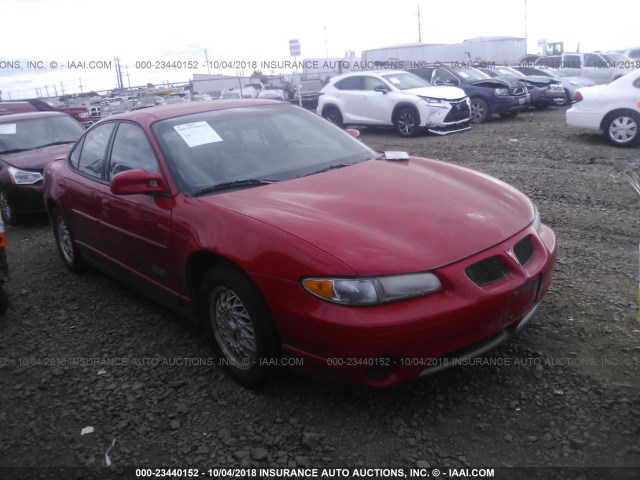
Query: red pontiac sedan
{"points": [[290, 239]]}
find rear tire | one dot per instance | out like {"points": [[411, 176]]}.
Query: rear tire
{"points": [[237, 318], [622, 128], [71, 256]]}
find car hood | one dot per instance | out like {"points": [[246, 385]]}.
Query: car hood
{"points": [[490, 82], [36, 159], [438, 91], [581, 81], [385, 217], [540, 80]]}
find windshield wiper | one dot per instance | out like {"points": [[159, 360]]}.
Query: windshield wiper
{"points": [[249, 182], [61, 142], [333, 167]]}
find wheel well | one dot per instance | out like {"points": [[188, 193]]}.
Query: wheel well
{"points": [[620, 111], [49, 206], [329, 106], [198, 265], [402, 106]]}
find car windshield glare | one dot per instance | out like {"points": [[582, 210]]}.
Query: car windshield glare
{"points": [[252, 146], [470, 74], [32, 133], [508, 72], [405, 80]]}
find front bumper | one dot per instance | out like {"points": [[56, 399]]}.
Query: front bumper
{"points": [[508, 104], [386, 345], [452, 118]]}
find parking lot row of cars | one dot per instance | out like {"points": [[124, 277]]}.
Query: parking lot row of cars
{"points": [[439, 99]]}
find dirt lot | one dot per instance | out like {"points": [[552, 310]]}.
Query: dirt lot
{"points": [[565, 393]]}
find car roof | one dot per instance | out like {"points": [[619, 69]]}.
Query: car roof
{"points": [[162, 112], [12, 117]]}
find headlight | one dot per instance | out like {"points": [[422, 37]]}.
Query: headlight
{"points": [[557, 86], [24, 177], [83, 114], [434, 102], [500, 91], [374, 290], [537, 221]]}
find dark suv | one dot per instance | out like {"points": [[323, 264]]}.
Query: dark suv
{"points": [[545, 91], [487, 95]]}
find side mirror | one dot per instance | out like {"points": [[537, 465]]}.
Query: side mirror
{"points": [[381, 89], [354, 133], [137, 181]]}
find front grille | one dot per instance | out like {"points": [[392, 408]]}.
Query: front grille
{"points": [[487, 271], [459, 111], [518, 91], [524, 250]]}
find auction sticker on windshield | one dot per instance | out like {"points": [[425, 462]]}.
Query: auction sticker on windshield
{"points": [[7, 128], [197, 133]]}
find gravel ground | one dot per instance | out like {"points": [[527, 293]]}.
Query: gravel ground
{"points": [[80, 351]]}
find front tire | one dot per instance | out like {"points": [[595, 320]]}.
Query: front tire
{"points": [[567, 99], [9, 216], [69, 253], [237, 317], [479, 110], [622, 129], [407, 123], [333, 115]]}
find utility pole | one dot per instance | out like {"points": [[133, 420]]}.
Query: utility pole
{"points": [[206, 57], [326, 48], [126, 67], [80, 80], [526, 37], [420, 26]]}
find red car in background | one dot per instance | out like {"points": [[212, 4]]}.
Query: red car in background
{"points": [[80, 113], [28, 141], [287, 237]]}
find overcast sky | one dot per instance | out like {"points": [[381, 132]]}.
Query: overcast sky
{"points": [[65, 31]]}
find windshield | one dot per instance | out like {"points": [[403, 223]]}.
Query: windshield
{"points": [[508, 72], [470, 74], [405, 80], [32, 133], [616, 57], [252, 146]]}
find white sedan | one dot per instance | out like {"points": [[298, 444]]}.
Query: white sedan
{"points": [[613, 108]]}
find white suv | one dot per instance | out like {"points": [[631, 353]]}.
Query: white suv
{"points": [[394, 98]]}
